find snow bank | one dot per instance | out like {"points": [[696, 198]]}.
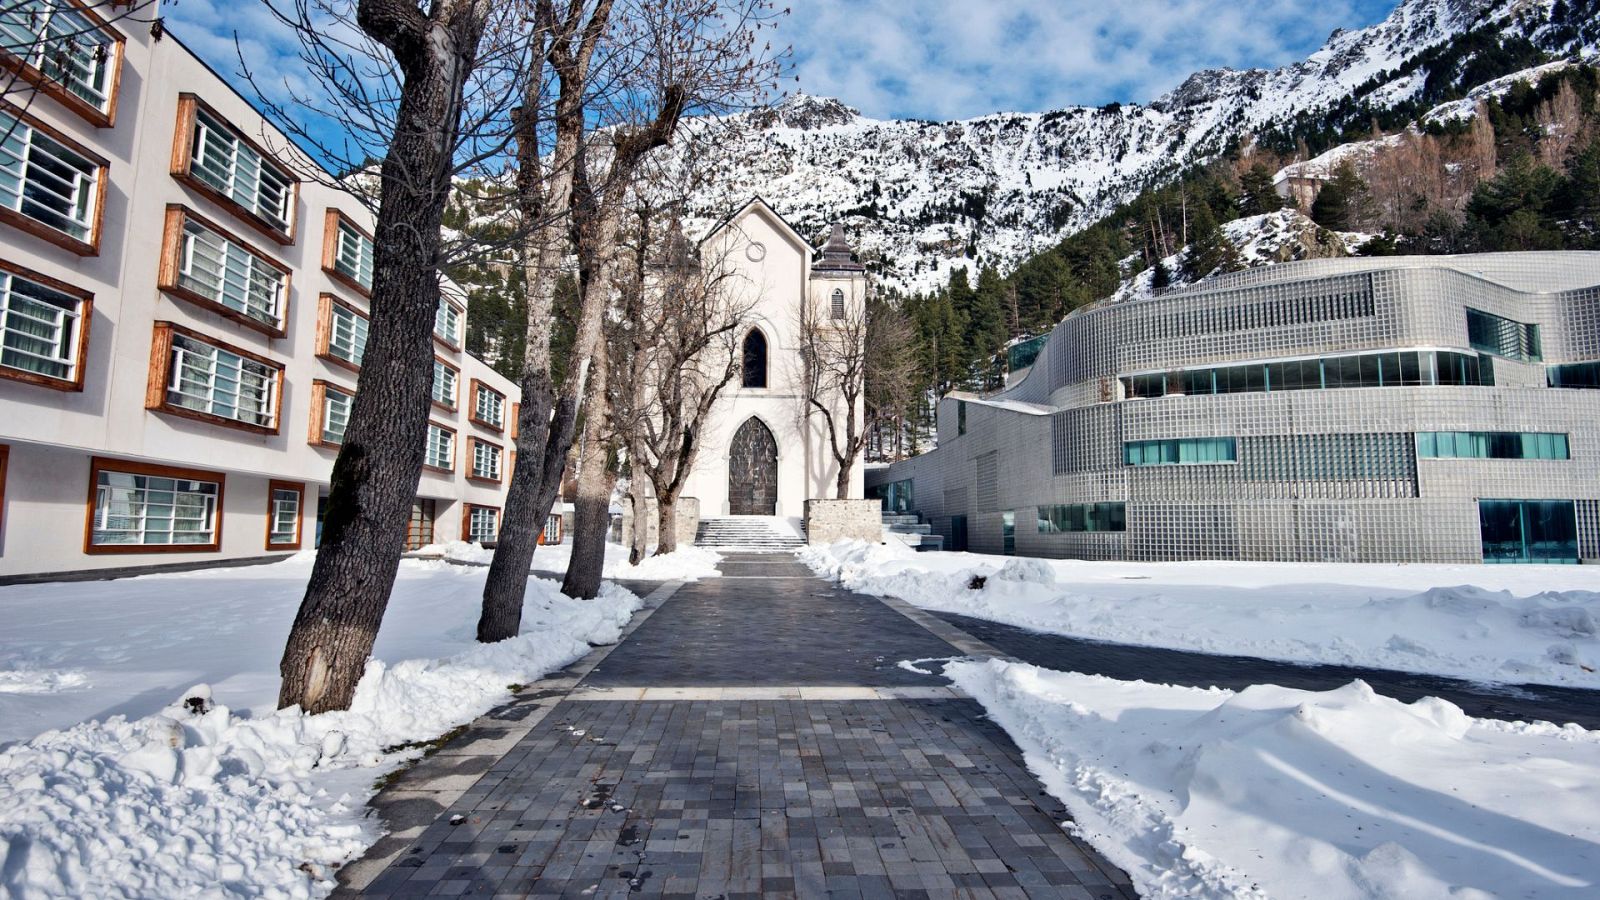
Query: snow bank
{"points": [[687, 563], [200, 799], [1527, 624], [1273, 792]]}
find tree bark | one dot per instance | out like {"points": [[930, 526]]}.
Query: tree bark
{"points": [[639, 540], [375, 475], [591, 517], [667, 514]]}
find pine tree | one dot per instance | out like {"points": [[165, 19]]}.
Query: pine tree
{"points": [[986, 322], [1209, 249], [1257, 193]]}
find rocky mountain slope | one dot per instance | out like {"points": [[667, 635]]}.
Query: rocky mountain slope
{"points": [[921, 197]]}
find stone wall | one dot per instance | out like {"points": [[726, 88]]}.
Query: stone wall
{"points": [[839, 520], [688, 522]]}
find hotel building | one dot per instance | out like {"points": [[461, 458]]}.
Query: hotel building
{"points": [[182, 321], [1424, 409]]}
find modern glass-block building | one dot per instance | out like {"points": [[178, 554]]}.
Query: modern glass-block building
{"points": [[1429, 409]]}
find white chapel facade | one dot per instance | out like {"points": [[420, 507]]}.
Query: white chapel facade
{"points": [[761, 454]]}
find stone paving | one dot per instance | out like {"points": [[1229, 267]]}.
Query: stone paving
{"points": [[794, 759]]}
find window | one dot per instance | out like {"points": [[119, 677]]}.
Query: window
{"points": [[754, 359], [283, 514], [341, 333], [961, 417], [836, 305], [330, 413], [482, 523], [444, 384], [1490, 333], [207, 266], [1528, 531], [441, 451], [67, 51], [216, 159], [143, 508], [1181, 452], [196, 377], [485, 460], [1575, 375], [49, 186], [488, 406], [1402, 368], [447, 323], [1082, 517], [347, 253], [516, 415], [1491, 445], [44, 329]]}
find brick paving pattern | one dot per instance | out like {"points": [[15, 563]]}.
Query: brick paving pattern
{"points": [[699, 798]]}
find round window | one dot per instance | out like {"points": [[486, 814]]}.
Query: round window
{"points": [[757, 251]]}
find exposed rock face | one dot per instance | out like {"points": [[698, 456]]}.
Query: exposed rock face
{"points": [[918, 197]]}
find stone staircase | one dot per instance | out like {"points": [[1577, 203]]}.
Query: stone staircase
{"points": [[911, 531], [747, 533]]}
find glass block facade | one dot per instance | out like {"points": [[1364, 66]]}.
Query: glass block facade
{"points": [[1429, 409]]}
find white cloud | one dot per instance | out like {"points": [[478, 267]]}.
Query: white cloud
{"points": [[938, 60]]}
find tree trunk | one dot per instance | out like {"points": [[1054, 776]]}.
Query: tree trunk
{"points": [[639, 541], [842, 486], [376, 472], [591, 517], [667, 516]]}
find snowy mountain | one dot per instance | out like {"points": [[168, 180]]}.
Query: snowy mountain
{"points": [[921, 197]]}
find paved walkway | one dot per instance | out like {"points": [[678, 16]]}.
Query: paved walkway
{"points": [[751, 736], [1127, 662]]}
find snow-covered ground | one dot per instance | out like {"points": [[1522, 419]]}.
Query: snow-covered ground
{"points": [[1285, 794], [687, 563], [138, 795], [1531, 624]]}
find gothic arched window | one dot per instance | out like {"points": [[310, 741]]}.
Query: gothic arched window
{"points": [[838, 303], [755, 359]]}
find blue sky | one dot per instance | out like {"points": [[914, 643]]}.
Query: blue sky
{"points": [[942, 59]]}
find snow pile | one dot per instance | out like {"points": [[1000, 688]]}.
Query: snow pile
{"points": [[686, 563], [1280, 793], [200, 799], [1525, 624]]}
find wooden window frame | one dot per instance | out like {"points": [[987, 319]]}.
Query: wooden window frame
{"points": [[155, 395], [479, 384], [273, 486], [330, 250], [516, 417], [182, 152], [472, 455], [325, 304], [319, 396], [97, 464], [455, 451], [57, 91], [167, 279], [466, 519], [85, 317], [461, 317], [453, 407], [44, 232]]}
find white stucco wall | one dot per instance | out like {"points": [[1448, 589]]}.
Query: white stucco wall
{"points": [[777, 283]]}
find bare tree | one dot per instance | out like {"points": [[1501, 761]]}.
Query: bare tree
{"points": [[848, 356], [1560, 125], [379, 464], [671, 55], [693, 309]]}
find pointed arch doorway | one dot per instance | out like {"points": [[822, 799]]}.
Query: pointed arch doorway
{"points": [[753, 470]]}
